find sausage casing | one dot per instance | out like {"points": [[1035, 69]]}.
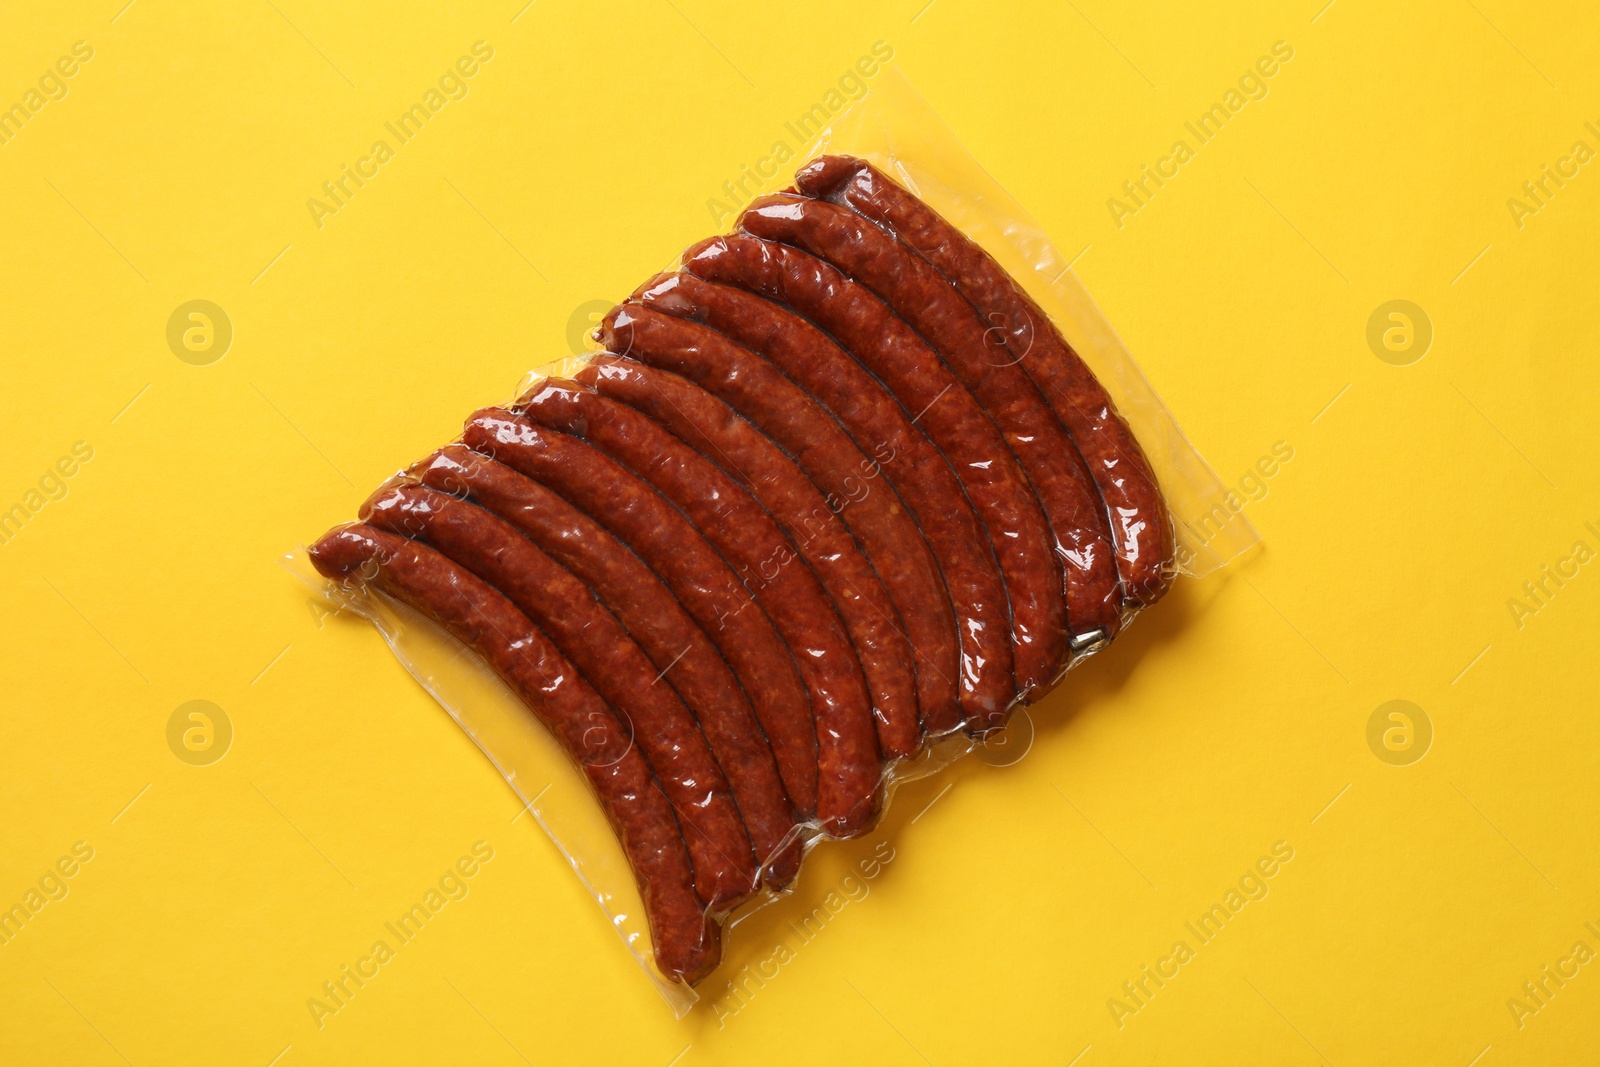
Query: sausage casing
{"points": [[867, 328], [808, 368], [700, 579], [608, 659], [687, 940], [1138, 515], [916, 291], [686, 658], [748, 456], [848, 770]]}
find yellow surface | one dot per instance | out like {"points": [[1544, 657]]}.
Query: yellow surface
{"points": [[218, 898]]}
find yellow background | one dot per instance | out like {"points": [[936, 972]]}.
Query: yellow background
{"points": [[1419, 899]]}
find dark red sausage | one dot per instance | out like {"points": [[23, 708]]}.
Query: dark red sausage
{"points": [[750, 458], [1137, 511], [848, 768], [869, 330], [685, 657], [850, 482], [917, 292], [686, 938], [686, 562], [609, 660]]}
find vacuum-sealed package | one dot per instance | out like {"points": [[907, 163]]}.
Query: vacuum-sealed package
{"points": [[832, 498]]}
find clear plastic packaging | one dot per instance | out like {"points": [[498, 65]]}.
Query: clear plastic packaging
{"points": [[892, 128]]}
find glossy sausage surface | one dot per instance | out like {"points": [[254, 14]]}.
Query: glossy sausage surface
{"points": [[1138, 515], [686, 659], [848, 769], [866, 328], [685, 937], [775, 367], [608, 659], [918, 293], [777, 482], [697, 575]]}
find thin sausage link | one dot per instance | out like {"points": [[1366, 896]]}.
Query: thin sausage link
{"points": [[869, 330], [750, 458], [608, 659], [686, 562], [848, 768], [1139, 519], [800, 367], [916, 291], [684, 656], [686, 939]]}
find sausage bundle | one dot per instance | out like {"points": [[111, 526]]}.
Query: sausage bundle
{"points": [[838, 488]]}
